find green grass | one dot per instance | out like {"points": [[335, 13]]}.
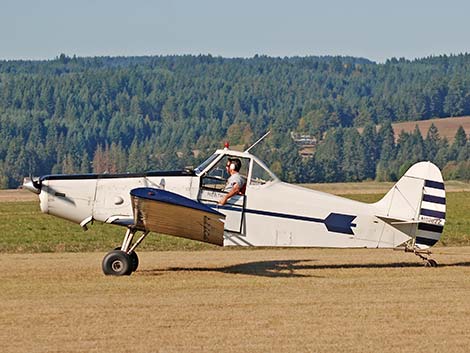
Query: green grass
{"points": [[24, 229]]}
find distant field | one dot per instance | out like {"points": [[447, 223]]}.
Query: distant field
{"points": [[17, 195], [373, 187], [447, 126]]}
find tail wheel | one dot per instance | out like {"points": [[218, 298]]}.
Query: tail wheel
{"points": [[117, 263], [430, 263]]}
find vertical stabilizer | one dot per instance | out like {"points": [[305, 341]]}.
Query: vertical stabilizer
{"points": [[418, 199]]}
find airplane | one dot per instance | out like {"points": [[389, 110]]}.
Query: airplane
{"points": [[268, 213]]}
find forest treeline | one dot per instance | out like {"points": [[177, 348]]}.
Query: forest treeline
{"points": [[125, 114]]}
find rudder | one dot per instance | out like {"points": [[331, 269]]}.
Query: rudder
{"points": [[418, 199]]}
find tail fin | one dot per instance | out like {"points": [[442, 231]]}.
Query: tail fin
{"points": [[418, 201]]}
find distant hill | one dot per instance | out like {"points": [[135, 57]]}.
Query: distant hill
{"points": [[447, 126], [129, 114]]}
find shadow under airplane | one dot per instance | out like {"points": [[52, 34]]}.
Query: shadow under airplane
{"points": [[288, 268]]}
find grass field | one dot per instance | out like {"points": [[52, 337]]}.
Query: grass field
{"points": [[277, 300], [54, 297]]}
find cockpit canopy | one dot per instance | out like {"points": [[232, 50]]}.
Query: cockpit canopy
{"points": [[214, 173]]}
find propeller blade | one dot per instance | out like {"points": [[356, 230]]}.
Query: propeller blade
{"points": [[32, 185]]}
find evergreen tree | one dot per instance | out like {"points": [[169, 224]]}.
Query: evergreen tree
{"points": [[442, 156], [353, 164], [417, 146], [369, 141], [432, 142], [330, 155], [460, 142], [59, 112], [386, 141]]}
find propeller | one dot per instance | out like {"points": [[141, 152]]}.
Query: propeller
{"points": [[33, 185]]}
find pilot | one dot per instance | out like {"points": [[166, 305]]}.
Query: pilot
{"points": [[236, 182]]}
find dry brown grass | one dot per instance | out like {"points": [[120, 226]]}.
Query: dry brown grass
{"points": [[447, 126], [14, 195], [284, 300]]}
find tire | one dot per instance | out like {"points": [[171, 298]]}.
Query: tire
{"points": [[117, 263], [134, 261]]}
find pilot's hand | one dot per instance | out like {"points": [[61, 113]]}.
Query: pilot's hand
{"points": [[222, 201]]}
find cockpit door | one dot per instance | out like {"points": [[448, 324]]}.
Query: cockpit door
{"points": [[211, 191], [233, 209]]}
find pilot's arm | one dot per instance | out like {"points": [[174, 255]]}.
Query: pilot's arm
{"points": [[234, 191]]}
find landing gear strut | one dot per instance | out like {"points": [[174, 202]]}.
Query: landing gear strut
{"points": [[423, 254], [123, 261]]}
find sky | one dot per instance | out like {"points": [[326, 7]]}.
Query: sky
{"points": [[373, 29]]}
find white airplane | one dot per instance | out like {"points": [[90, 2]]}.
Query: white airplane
{"points": [[269, 212]]}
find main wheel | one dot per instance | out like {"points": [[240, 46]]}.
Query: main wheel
{"points": [[134, 261], [117, 263]]}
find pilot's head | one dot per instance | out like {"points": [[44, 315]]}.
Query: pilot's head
{"points": [[233, 164]]}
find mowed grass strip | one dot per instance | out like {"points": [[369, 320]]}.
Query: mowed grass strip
{"points": [[276, 300], [24, 229]]}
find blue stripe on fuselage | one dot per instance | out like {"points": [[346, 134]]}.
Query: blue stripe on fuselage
{"points": [[337, 223]]}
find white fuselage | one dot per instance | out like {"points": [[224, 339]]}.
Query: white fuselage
{"points": [[269, 212], [272, 214]]}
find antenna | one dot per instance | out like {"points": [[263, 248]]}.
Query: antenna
{"points": [[253, 145]]}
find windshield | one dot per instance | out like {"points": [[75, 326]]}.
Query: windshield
{"points": [[204, 164], [259, 175]]}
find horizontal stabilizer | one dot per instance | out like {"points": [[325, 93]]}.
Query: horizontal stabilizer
{"points": [[165, 212]]}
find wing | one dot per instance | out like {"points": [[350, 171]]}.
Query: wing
{"points": [[165, 212]]}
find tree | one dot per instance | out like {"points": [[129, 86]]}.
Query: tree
{"points": [[460, 142], [59, 112], [100, 160], [417, 145], [454, 104], [442, 156], [386, 141], [353, 164], [329, 155], [463, 171], [369, 141], [432, 142]]}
